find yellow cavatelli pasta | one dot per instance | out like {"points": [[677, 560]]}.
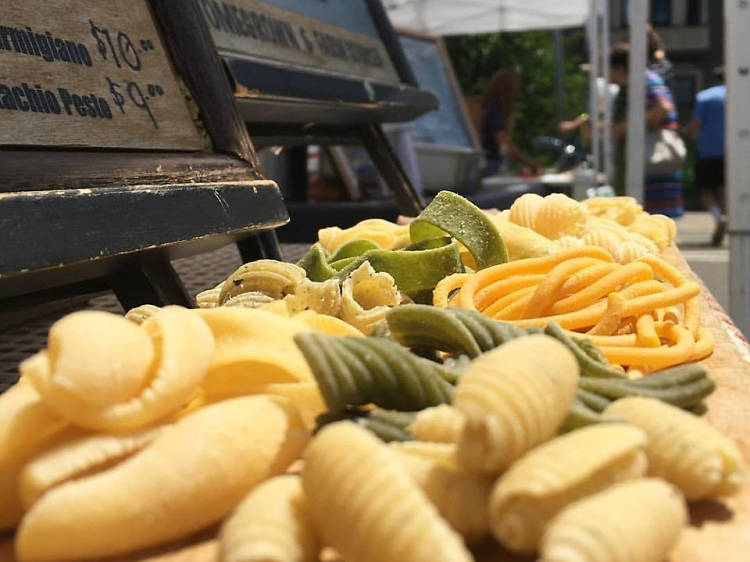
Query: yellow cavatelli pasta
{"points": [[270, 277], [103, 372], [559, 215], [191, 476], [387, 235], [443, 453], [367, 507], [514, 397], [272, 524], [628, 251], [27, 427], [569, 241], [367, 296], [79, 457], [442, 424], [684, 449], [524, 209], [561, 471], [603, 238], [460, 497], [638, 520]]}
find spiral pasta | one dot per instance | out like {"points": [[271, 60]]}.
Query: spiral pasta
{"points": [[559, 472], [684, 449], [272, 524], [460, 497], [357, 371], [514, 398], [360, 499], [366, 297], [442, 424], [635, 520], [324, 297], [270, 277], [103, 372]]}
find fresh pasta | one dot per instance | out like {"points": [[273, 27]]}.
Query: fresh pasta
{"points": [[191, 476], [684, 449], [442, 424], [103, 372], [360, 499], [559, 472], [524, 209], [366, 297], [635, 520], [559, 215], [460, 497], [513, 398], [276, 279], [272, 524]]}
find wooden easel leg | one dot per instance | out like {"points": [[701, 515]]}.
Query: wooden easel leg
{"points": [[261, 246], [409, 201], [152, 281]]}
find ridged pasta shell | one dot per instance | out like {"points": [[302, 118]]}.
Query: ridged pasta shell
{"points": [[629, 251], [460, 497], [637, 520], [559, 215], [569, 241], [603, 238], [559, 472], [367, 507], [274, 278], [524, 209], [209, 298], [367, 296], [79, 457], [191, 476], [442, 453], [442, 424], [513, 397], [272, 524], [103, 372], [684, 449], [251, 299]]}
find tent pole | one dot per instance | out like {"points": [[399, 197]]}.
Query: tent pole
{"points": [[607, 128], [737, 53], [636, 140], [559, 70], [593, 33]]}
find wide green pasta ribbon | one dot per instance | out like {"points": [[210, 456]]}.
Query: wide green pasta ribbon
{"points": [[452, 214], [353, 371], [416, 269]]}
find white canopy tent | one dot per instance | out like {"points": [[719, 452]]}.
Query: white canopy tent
{"points": [[455, 17]]}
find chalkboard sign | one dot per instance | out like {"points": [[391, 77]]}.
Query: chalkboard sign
{"points": [[120, 148], [89, 74], [448, 125]]}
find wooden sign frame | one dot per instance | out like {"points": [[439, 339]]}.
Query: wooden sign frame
{"points": [[289, 105], [76, 221]]}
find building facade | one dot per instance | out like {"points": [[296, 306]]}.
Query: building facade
{"points": [[693, 33]]}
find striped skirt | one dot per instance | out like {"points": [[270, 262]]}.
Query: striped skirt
{"points": [[664, 194]]}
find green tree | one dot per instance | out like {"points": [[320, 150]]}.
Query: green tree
{"points": [[476, 57]]}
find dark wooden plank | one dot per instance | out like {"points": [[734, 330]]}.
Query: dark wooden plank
{"points": [[198, 63], [46, 229], [24, 170], [392, 45], [149, 281]]}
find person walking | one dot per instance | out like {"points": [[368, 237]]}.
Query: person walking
{"points": [[665, 151], [707, 127]]}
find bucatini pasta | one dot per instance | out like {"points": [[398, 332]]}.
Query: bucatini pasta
{"points": [[361, 499], [559, 472], [684, 449], [272, 524], [513, 398], [638, 520]]}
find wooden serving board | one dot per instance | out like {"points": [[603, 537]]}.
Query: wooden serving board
{"points": [[718, 531]]}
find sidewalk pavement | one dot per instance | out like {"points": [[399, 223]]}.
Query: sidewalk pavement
{"points": [[710, 263]]}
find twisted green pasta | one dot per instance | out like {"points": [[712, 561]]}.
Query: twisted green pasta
{"points": [[590, 367], [452, 330], [385, 424], [353, 371], [686, 394]]}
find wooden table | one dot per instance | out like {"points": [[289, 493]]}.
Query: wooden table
{"points": [[718, 532]]}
